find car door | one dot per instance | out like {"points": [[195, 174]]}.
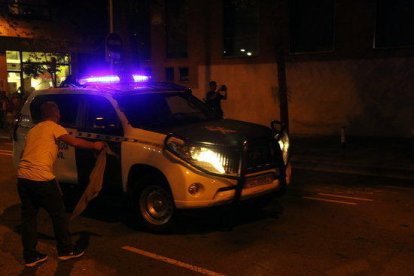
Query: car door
{"points": [[100, 122]]}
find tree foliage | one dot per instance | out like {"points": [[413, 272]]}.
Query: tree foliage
{"points": [[36, 65]]}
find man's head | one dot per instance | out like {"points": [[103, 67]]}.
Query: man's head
{"points": [[50, 111], [212, 85]]}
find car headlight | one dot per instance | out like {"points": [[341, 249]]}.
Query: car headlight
{"points": [[199, 156], [284, 145]]}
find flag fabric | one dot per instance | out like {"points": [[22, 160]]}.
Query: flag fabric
{"points": [[95, 182]]}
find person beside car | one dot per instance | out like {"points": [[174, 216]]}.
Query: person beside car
{"points": [[37, 186]]}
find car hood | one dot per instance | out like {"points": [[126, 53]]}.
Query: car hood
{"points": [[221, 132]]}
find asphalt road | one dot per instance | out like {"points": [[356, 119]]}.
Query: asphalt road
{"points": [[332, 224]]}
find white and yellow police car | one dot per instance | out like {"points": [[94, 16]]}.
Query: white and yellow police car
{"points": [[172, 151]]}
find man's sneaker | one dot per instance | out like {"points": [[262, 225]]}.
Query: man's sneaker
{"points": [[71, 255], [31, 262]]}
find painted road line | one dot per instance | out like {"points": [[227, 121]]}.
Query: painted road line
{"points": [[330, 200], [346, 197], [171, 261], [397, 187], [6, 152]]}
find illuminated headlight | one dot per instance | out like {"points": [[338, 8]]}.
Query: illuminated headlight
{"points": [[284, 146], [207, 158], [199, 156]]}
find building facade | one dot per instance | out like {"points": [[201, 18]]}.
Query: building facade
{"points": [[348, 64], [42, 42]]}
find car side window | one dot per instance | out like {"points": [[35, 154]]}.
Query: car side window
{"points": [[100, 116], [68, 105]]}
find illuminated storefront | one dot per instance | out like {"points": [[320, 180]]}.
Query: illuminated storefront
{"points": [[44, 68]]}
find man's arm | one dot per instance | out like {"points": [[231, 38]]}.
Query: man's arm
{"points": [[223, 89], [81, 143]]}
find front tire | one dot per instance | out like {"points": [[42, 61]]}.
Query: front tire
{"points": [[154, 205]]}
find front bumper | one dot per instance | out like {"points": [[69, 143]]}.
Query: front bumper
{"points": [[235, 188]]}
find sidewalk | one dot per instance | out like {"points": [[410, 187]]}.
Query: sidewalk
{"points": [[385, 157]]}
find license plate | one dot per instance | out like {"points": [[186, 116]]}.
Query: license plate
{"points": [[259, 180]]}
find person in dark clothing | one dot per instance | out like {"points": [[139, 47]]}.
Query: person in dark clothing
{"points": [[3, 108], [214, 97]]}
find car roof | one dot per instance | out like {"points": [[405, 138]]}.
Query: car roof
{"points": [[117, 89]]}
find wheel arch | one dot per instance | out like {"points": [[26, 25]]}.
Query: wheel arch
{"points": [[142, 171]]}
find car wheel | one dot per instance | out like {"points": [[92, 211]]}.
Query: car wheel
{"points": [[155, 207]]}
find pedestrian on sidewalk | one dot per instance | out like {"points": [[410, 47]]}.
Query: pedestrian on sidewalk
{"points": [[214, 97], [38, 188], [3, 108]]}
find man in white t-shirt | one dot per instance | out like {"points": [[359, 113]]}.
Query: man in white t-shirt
{"points": [[37, 186]]}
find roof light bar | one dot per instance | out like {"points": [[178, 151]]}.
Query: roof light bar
{"points": [[140, 78], [113, 79], [101, 79]]}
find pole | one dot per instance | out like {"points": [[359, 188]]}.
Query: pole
{"points": [[111, 16], [111, 29], [283, 98]]}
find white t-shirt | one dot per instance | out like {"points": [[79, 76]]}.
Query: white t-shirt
{"points": [[40, 151]]}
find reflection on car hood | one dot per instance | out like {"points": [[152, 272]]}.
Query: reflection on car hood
{"points": [[221, 132]]}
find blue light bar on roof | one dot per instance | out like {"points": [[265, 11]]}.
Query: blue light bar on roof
{"points": [[140, 78], [112, 79], [101, 79]]}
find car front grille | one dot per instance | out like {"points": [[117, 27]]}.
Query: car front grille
{"points": [[261, 155]]}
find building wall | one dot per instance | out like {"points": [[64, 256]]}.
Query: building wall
{"points": [[367, 97], [252, 92], [370, 97], [366, 90], [3, 72]]}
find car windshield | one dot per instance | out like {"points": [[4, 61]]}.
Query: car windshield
{"points": [[163, 110]]}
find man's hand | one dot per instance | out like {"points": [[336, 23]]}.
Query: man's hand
{"points": [[99, 146]]}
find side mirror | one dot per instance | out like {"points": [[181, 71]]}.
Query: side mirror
{"points": [[277, 128]]}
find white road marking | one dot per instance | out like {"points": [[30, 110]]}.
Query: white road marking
{"points": [[346, 197], [172, 261], [330, 200], [397, 187], [6, 152]]}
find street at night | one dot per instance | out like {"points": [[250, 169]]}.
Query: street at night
{"points": [[207, 137], [327, 223]]}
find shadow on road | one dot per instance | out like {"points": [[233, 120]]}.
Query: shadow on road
{"points": [[113, 209], [10, 218]]}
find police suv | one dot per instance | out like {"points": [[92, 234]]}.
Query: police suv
{"points": [[171, 151]]}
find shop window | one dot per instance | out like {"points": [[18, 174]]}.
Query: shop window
{"points": [[176, 28], [395, 24], [13, 81], [311, 26], [28, 71], [240, 28]]}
